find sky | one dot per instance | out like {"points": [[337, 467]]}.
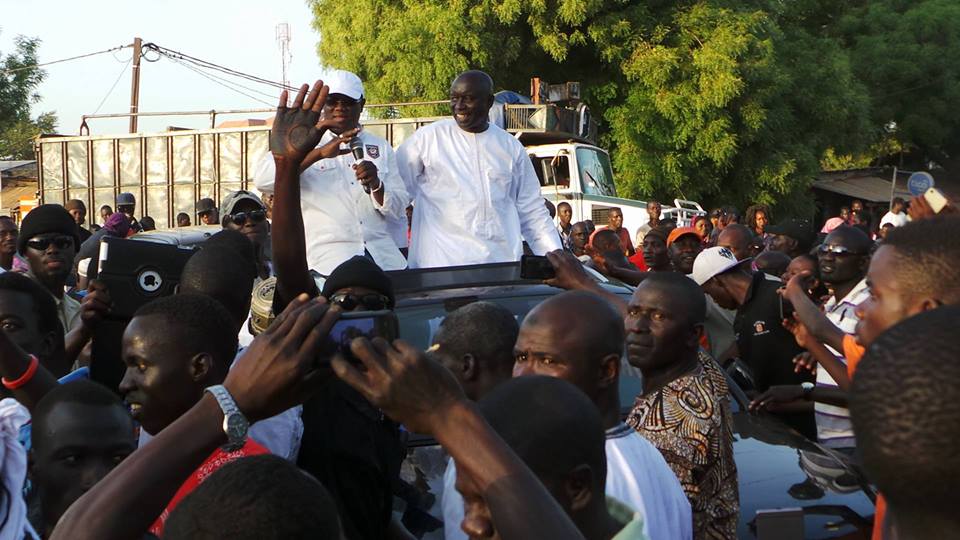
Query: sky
{"points": [[238, 34]]}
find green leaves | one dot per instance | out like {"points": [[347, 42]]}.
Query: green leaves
{"points": [[17, 95]]}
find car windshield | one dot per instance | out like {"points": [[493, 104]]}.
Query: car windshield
{"points": [[595, 172]]}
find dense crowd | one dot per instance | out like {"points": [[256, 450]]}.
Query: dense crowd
{"points": [[231, 419]]}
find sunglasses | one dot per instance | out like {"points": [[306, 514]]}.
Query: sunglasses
{"points": [[836, 250], [41, 244], [256, 216], [370, 302]]}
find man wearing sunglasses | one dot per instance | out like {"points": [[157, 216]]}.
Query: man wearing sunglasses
{"points": [[243, 211], [843, 259], [347, 205], [48, 241]]}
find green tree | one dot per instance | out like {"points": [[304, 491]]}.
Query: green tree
{"points": [[18, 84], [713, 100], [906, 53]]}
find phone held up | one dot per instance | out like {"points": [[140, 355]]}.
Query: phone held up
{"points": [[355, 324], [536, 267], [935, 199]]}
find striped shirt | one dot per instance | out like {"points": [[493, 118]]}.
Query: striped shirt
{"points": [[834, 429]]}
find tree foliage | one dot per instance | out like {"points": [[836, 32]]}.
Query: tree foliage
{"points": [[721, 101], [17, 95]]}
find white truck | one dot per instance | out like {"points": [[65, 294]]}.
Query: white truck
{"points": [[169, 171]]}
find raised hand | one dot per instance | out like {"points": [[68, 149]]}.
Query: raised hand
{"points": [[280, 368], [402, 381], [295, 130], [570, 274]]}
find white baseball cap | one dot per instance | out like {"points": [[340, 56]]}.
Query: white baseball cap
{"points": [[344, 82], [712, 262]]}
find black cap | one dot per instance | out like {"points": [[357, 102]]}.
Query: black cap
{"points": [[800, 230], [205, 205], [359, 271], [47, 218]]}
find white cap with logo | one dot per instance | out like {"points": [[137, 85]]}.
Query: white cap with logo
{"points": [[345, 83], [712, 262]]}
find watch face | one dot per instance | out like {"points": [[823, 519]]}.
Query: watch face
{"points": [[236, 427]]}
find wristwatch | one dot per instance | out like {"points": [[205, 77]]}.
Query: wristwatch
{"points": [[807, 388], [235, 424]]}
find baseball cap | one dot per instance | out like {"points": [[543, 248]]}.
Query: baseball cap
{"points": [[799, 229], [344, 82], [712, 262], [681, 231], [231, 199], [126, 198], [205, 204]]}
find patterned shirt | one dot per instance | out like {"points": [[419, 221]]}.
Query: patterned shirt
{"points": [[689, 421]]}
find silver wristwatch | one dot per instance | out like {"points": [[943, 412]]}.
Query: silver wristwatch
{"points": [[235, 424]]}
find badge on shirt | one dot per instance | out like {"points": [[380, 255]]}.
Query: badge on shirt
{"points": [[759, 328], [373, 151]]}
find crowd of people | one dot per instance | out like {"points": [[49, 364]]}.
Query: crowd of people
{"points": [[231, 419]]}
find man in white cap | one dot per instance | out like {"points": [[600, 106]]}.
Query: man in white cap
{"points": [[764, 345], [345, 203], [476, 195]]}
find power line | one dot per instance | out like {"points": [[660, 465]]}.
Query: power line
{"points": [[223, 84], [34, 66], [225, 80], [210, 65], [110, 92]]}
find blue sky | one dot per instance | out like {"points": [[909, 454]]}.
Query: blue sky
{"points": [[238, 34]]}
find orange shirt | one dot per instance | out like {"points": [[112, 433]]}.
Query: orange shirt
{"points": [[853, 352]]}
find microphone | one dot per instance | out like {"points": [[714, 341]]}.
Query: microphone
{"points": [[356, 147]]}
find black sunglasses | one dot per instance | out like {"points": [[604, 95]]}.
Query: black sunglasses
{"points": [[836, 250], [41, 244], [370, 302], [256, 216]]}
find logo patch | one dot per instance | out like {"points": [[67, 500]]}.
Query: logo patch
{"points": [[759, 328], [373, 151]]}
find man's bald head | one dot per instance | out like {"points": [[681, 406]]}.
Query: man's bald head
{"points": [[606, 240], [596, 325], [478, 80], [737, 238]]}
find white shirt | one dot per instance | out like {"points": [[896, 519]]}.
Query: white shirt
{"points": [[476, 197], [834, 429], [637, 475], [339, 219], [898, 220]]}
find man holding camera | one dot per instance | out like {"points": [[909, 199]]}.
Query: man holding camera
{"points": [[346, 196]]}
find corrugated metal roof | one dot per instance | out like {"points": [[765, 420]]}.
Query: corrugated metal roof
{"points": [[6, 165], [867, 187]]}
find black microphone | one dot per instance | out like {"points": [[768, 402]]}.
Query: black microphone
{"points": [[356, 146]]}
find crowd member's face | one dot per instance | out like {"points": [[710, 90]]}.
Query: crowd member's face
{"points": [[703, 227], [684, 251], [565, 213], [18, 320], [542, 348], [845, 213], [359, 299], [210, 217], [840, 267], [471, 99], [579, 236], [8, 237], [80, 445], [105, 212], [737, 242], [343, 111], [127, 210], [657, 328], [714, 288], [882, 233], [249, 218], [653, 211], [715, 221], [781, 243], [856, 207], [160, 381], [655, 252], [616, 219], [761, 221], [890, 299], [799, 265], [50, 256], [183, 221], [79, 215]]}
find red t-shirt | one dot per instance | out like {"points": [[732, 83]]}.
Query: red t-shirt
{"points": [[213, 462]]}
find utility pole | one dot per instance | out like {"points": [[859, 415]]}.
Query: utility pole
{"points": [[135, 84]]}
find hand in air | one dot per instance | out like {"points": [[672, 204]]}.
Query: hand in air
{"points": [[403, 381], [295, 131], [280, 369]]}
